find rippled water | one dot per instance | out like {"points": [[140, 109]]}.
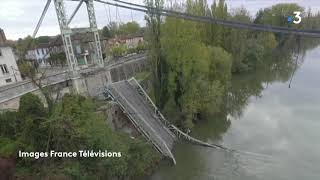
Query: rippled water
{"points": [[276, 130]]}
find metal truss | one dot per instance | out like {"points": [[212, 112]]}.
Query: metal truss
{"points": [[66, 32], [66, 35]]}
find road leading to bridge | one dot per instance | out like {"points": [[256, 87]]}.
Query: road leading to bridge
{"points": [[56, 76]]}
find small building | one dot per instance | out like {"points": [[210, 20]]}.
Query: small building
{"points": [[83, 47], [9, 72], [39, 53], [131, 41]]}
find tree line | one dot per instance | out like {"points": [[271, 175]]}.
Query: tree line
{"points": [[193, 63]]}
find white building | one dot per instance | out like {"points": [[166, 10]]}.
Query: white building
{"points": [[9, 72], [40, 54]]}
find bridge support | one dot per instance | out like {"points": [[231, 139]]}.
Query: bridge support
{"points": [[94, 29], [66, 33]]}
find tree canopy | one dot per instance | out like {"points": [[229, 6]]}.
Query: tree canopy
{"points": [[192, 62]]}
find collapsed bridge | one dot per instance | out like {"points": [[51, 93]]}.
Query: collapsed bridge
{"points": [[146, 117]]}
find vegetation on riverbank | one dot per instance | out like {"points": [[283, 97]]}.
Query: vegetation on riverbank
{"points": [[193, 62], [192, 66], [73, 125]]}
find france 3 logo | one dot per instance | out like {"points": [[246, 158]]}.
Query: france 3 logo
{"points": [[296, 19]]}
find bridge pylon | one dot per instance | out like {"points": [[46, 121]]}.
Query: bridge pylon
{"points": [[66, 32], [94, 29], [66, 35]]}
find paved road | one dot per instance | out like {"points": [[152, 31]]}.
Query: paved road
{"points": [[143, 116], [57, 75]]}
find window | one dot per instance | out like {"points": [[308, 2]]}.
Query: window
{"points": [[4, 69], [8, 80]]}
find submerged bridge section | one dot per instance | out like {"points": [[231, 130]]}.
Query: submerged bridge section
{"points": [[146, 117], [143, 114]]}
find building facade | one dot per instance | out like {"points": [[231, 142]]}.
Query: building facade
{"points": [[133, 41], [129, 41], [83, 44], [39, 54], [3, 38], [9, 72]]}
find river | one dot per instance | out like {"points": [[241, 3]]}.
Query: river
{"points": [[275, 129]]}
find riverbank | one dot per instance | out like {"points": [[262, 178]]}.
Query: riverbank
{"points": [[274, 126]]}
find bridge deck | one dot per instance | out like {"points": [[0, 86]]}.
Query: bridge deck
{"points": [[58, 75], [143, 116]]}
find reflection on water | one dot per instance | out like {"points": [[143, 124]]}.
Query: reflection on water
{"points": [[275, 128]]}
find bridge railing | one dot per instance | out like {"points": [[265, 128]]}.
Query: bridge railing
{"points": [[135, 83], [14, 91], [131, 115]]}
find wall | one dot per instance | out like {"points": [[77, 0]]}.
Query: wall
{"points": [[38, 54], [7, 58], [133, 42]]}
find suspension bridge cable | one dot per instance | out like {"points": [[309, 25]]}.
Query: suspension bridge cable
{"points": [[109, 13], [45, 9], [44, 12], [107, 17], [218, 20], [118, 16], [205, 19], [75, 12]]}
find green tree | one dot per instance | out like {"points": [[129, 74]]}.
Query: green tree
{"points": [[37, 78], [113, 28], [42, 39], [156, 59], [22, 45], [277, 15], [58, 59], [33, 114], [129, 28], [118, 51], [195, 83], [218, 33], [106, 32], [236, 43], [268, 41], [10, 124]]}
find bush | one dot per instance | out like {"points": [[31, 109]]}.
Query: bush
{"points": [[73, 125], [118, 51]]}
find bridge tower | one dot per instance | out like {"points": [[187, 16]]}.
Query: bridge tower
{"points": [[66, 35], [94, 29], [66, 32]]}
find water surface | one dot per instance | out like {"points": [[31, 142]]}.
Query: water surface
{"points": [[275, 128]]}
